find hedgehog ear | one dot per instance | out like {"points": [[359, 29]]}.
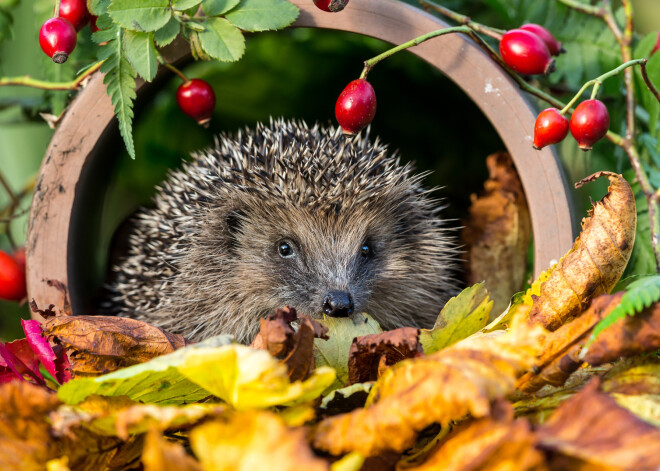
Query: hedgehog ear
{"points": [[233, 221]]}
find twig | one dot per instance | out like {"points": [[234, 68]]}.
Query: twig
{"points": [[176, 71], [649, 84], [27, 81], [462, 19], [584, 8]]}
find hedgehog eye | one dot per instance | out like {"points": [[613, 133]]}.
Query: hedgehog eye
{"points": [[285, 249], [366, 251]]}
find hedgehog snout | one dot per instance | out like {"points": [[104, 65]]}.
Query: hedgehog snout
{"points": [[338, 303]]}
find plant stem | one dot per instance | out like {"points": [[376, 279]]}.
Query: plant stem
{"points": [[56, 11], [27, 81], [176, 71], [462, 19], [649, 84], [369, 64], [584, 8]]}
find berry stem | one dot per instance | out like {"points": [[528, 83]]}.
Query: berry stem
{"points": [[462, 19], [27, 81], [598, 81], [369, 64], [176, 71], [56, 10], [584, 8]]}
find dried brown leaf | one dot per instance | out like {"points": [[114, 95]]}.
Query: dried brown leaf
{"points": [[592, 428], [456, 382], [160, 454], [597, 260], [372, 354], [101, 344], [253, 440], [497, 233], [493, 443]]}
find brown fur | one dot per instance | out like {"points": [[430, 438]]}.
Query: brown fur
{"points": [[204, 261]]}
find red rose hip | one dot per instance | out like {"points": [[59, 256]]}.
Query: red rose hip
{"points": [[76, 12], [526, 53], [196, 99], [12, 278], [546, 36], [356, 106], [551, 127], [331, 5], [57, 39], [589, 123]]}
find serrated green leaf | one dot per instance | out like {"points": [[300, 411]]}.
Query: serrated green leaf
{"points": [[98, 7], [120, 81], [218, 7], [341, 332], [221, 40], [639, 295], [263, 15], [141, 53], [145, 15], [167, 33], [462, 316], [185, 4]]}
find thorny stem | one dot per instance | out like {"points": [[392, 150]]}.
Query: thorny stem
{"points": [[584, 8], [369, 64], [650, 85], [176, 71], [462, 19], [27, 81], [598, 81]]}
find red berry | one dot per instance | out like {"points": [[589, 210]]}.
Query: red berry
{"points": [[196, 99], [356, 106], [589, 123], [331, 5], [92, 24], [19, 256], [526, 53], [657, 45], [12, 278], [76, 12], [57, 39], [550, 128], [550, 41]]}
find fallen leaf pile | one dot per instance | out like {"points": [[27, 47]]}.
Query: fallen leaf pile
{"points": [[525, 388]]}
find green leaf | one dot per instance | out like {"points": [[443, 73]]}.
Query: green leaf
{"points": [[342, 331], [6, 22], [218, 7], [143, 15], [639, 295], [98, 7], [462, 316], [185, 4], [141, 53], [167, 33], [221, 40], [262, 15], [120, 81]]}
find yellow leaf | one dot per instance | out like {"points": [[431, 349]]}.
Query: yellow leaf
{"points": [[160, 454]]}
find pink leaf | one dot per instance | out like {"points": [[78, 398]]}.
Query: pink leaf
{"points": [[14, 363], [62, 364], [39, 345], [22, 350]]}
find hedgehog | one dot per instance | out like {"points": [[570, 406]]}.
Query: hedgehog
{"points": [[287, 215]]}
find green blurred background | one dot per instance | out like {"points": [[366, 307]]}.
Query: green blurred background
{"points": [[293, 73]]}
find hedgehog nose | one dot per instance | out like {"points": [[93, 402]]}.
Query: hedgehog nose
{"points": [[338, 304]]}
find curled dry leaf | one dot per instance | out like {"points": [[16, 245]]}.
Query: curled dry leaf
{"points": [[593, 429], [626, 337], [370, 355], [294, 348], [492, 443], [597, 260], [497, 233], [100, 344], [449, 385], [253, 440], [160, 454]]}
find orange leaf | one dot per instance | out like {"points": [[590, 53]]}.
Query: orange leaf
{"points": [[160, 454], [597, 260]]}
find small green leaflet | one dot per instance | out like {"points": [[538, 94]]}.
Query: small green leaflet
{"points": [[184, 4], [221, 40], [141, 53], [143, 15], [167, 33], [120, 81], [98, 7], [218, 7], [462, 316], [639, 295], [262, 15]]}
